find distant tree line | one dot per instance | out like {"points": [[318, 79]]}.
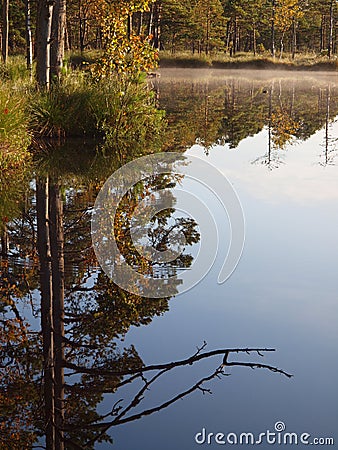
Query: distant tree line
{"points": [[200, 26], [249, 26]]}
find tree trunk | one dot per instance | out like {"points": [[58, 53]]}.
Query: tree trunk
{"points": [[129, 25], [207, 37], [281, 46], [29, 45], [43, 34], [294, 39], [322, 34], [140, 24], [254, 40], [157, 31], [5, 29], [273, 46], [151, 20], [43, 246], [331, 26], [56, 245], [82, 33], [58, 38], [234, 43]]}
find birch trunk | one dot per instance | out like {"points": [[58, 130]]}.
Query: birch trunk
{"points": [[5, 29]]}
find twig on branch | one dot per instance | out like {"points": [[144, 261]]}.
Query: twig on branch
{"points": [[191, 360]]}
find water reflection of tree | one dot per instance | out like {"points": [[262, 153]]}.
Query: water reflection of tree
{"points": [[53, 379], [329, 141], [282, 128], [238, 108]]}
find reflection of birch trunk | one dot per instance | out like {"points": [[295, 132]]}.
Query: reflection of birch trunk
{"points": [[327, 121], [56, 244], [43, 245], [4, 242], [50, 247], [292, 99], [270, 125]]}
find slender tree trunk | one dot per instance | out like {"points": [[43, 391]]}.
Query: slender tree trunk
{"points": [[43, 34], [294, 39], [254, 40], [82, 34], [234, 43], [173, 43], [29, 44], [331, 26], [228, 34], [322, 33], [43, 246], [57, 254], [158, 26], [5, 29], [151, 20], [281, 46], [129, 25], [57, 49], [207, 37], [140, 24], [273, 46]]}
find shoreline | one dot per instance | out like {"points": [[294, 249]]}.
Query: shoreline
{"points": [[254, 64]]}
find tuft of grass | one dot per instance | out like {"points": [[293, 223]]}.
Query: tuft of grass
{"points": [[119, 110], [15, 69], [64, 110], [14, 139]]}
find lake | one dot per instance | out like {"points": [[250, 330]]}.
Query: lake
{"points": [[272, 137]]}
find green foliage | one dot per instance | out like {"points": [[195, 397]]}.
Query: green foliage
{"points": [[14, 138]]}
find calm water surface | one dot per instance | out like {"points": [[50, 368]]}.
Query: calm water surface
{"points": [[274, 136]]}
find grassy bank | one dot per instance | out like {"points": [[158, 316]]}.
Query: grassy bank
{"points": [[248, 61], [119, 111]]}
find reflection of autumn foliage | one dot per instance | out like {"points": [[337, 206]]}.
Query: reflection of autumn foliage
{"points": [[284, 128], [18, 393], [163, 231], [19, 363]]}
